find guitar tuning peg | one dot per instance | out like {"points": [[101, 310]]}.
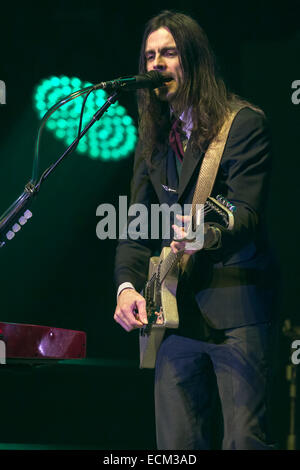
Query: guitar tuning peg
{"points": [[22, 220], [27, 214], [10, 235], [16, 228]]}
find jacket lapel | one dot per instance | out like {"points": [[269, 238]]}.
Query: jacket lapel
{"points": [[158, 174], [190, 162]]}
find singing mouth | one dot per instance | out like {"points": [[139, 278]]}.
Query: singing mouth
{"points": [[165, 84], [171, 79]]}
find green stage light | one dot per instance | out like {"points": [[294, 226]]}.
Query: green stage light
{"points": [[113, 137]]}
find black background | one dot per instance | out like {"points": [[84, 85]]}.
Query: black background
{"points": [[56, 271]]}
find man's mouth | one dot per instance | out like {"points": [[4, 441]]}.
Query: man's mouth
{"points": [[166, 84]]}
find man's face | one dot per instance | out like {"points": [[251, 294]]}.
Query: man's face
{"points": [[161, 54]]}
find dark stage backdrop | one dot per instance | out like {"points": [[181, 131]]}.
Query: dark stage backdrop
{"points": [[56, 271]]}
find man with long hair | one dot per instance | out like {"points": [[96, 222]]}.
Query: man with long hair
{"points": [[220, 353]]}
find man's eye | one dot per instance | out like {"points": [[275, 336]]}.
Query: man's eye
{"points": [[149, 57], [171, 53]]}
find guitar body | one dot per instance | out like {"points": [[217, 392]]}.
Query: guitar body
{"points": [[160, 289], [165, 301]]}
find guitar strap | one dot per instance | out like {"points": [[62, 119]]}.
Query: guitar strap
{"points": [[211, 162], [208, 172]]}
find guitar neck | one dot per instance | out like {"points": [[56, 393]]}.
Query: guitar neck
{"points": [[171, 260]]}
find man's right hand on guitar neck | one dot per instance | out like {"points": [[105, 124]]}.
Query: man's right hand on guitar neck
{"points": [[130, 312]]}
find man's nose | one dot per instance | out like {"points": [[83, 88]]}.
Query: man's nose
{"points": [[159, 63]]}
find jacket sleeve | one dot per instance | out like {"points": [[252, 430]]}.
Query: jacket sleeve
{"points": [[132, 256], [245, 171]]}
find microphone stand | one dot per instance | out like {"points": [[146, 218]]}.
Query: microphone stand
{"points": [[17, 214]]}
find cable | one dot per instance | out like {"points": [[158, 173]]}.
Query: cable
{"points": [[76, 141], [49, 113]]}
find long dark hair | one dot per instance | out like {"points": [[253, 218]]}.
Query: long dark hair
{"points": [[201, 90]]}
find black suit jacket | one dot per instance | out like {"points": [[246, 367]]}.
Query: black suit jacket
{"points": [[231, 285]]}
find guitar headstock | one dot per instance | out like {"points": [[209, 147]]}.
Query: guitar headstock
{"points": [[226, 203], [16, 227], [219, 211], [15, 218]]}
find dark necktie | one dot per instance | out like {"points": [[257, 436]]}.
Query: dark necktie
{"points": [[175, 137]]}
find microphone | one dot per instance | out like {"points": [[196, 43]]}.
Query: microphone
{"points": [[151, 80]]}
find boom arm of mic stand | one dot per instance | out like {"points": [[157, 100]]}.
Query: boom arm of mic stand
{"points": [[18, 213]]}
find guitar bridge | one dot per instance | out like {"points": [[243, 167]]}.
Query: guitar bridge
{"points": [[153, 319]]}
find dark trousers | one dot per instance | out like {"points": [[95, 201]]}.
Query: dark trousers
{"points": [[232, 366]]}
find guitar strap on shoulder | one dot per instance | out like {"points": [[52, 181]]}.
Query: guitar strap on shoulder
{"points": [[211, 162], [207, 175]]}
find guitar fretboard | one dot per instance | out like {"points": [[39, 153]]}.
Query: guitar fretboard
{"points": [[168, 263]]}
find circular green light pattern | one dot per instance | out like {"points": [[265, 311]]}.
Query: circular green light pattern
{"points": [[113, 137]]}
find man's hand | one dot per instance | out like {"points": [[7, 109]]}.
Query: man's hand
{"points": [[211, 236], [130, 312], [180, 232]]}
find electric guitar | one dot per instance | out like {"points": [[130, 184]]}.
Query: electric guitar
{"points": [[160, 289]]}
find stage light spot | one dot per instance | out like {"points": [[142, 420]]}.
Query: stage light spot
{"points": [[113, 137]]}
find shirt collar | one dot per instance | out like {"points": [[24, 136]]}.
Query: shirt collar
{"points": [[187, 123]]}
